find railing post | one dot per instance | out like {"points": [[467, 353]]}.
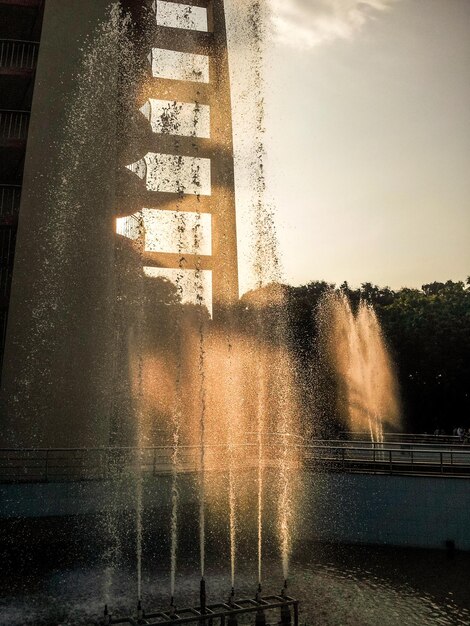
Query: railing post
{"points": [[442, 467], [155, 461], [343, 450], [390, 460]]}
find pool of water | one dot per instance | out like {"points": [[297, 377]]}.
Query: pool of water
{"points": [[337, 586]]}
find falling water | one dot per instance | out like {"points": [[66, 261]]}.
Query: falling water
{"points": [[208, 411], [285, 507], [267, 269], [354, 344], [138, 523], [199, 292], [287, 455], [258, 363], [139, 398], [108, 59], [174, 503], [261, 268], [260, 428], [177, 414], [231, 423], [71, 199], [232, 508], [202, 441], [170, 124]]}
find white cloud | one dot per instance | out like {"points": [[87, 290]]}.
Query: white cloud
{"points": [[309, 23]]}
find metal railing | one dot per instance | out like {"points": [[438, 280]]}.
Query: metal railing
{"points": [[80, 464], [10, 196], [421, 438], [18, 55], [14, 125], [221, 613], [74, 464], [435, 444], [390, 460]]}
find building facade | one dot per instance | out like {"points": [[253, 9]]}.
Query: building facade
{"points": [[20, 34], [89, 179]]}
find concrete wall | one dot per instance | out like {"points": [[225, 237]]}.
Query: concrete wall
{"points": [[357, 508], [409, 511], [59, 349]]}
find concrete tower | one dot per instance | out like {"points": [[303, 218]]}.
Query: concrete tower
{"points": [[188, 78], [61, 363], [20, 32]]}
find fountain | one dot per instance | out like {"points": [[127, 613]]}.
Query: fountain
{"points": [[354, 345], [199, 374], [184, 414]]}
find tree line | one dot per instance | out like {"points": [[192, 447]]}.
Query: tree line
{"points": [[427, 331]]}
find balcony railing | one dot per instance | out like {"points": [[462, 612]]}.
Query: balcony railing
{"points": [[34, 4], [13, 126], [10, 196], [18, 55]]}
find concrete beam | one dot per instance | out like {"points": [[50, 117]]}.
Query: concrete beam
{"points": [[183, 40], [175, 90], [169, 260]]}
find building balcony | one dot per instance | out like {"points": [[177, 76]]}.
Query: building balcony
{"points": [[21, 19], [13, 135], [10, 196], [13, 128], [18, 58], [7, 258], [35, 4]]}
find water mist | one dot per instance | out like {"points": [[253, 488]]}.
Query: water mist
{"points": [[367, 384]]}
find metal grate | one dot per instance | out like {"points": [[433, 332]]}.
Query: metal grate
{"points": [[14, 125], [18, 55], [3, 334], [7, 253], [222, 613], [10, 196]]}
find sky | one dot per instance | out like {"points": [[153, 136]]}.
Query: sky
{"points": [[367, 139]]}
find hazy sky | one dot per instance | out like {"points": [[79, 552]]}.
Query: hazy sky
{"points": [[368, 136]]}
